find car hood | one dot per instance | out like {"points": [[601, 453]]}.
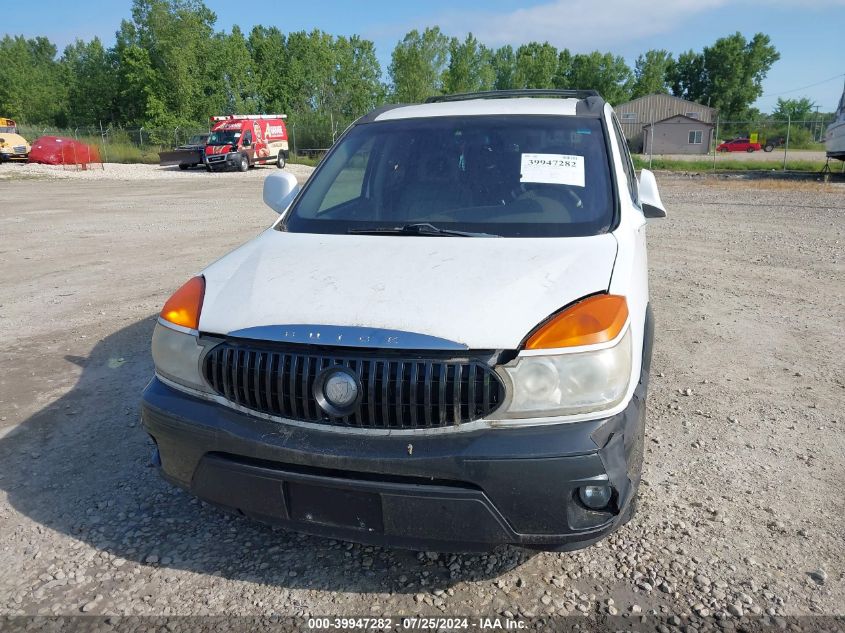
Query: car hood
{"points": [[482, 293], [12, 140]]}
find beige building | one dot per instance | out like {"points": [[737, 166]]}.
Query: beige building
{"points": [[635, 115], [677, 134]]}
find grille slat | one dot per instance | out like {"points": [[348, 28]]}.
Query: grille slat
{"points": [[456, 394], [406, 393], [413, 389], [427, 404]]}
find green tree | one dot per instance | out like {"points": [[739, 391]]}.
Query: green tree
{"points": [[470, 67], [267, 47], [535, 65], [564, 70], [727, 75], [417, 65], [687, 78], [231, 84], [166, 46], [795, 109], [91, 80], [31, 81], [651, 71], [604, 72], [504, 68], [357, 78]]}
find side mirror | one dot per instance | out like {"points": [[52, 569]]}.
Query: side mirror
{"points": [[650, 197], [280, 190]]}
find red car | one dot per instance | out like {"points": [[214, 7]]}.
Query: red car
{"points": [[739, 145]]}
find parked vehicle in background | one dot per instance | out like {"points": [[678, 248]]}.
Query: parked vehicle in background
{"points": [[739, 145], [771, 143], [443, 343], [186, 156], [244, 140], [13, 146], [834, 136]]}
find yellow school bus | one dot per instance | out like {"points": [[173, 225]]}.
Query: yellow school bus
{"points": [[13, 146]]}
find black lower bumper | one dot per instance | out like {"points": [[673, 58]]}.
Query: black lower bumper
{"points": [[447, 491]]}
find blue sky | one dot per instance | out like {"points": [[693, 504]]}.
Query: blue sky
{"points": [[809, 38]]}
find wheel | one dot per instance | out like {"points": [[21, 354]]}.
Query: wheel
{"points": [[183, 166], [208, 168], [280, 161], [723, 150], [243, 165], [768, 148], [750, 150]]}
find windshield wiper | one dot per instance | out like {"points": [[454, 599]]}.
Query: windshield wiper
{"points": [[421, 228]]}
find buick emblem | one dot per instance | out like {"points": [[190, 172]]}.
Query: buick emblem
{"points": [[337, 390]]}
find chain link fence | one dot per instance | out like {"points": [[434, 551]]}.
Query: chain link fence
{"points": [[308, 141], [765, 144]]}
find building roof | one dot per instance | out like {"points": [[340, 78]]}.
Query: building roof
{"points": [[679, 116], [662, 95]]}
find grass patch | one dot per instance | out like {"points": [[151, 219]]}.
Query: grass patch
{"points": [[706, 164], [303, 160], [128, 153]]}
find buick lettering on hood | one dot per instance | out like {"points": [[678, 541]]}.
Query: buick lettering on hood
{"points": [[442, 343]]}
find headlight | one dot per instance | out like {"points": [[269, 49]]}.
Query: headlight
{"points": [[578, 361], [177, 357], [569, 383], [176, 346]]}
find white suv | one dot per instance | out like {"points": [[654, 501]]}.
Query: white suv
{"points": [[442, 343]]}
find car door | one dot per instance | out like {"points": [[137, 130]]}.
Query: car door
{"points": [[247, 145]]}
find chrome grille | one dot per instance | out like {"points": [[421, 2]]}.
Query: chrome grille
{"points": [[417, 392], [19, 149]]}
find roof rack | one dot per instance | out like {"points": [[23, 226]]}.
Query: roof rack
{"points": [[511, 94], [231, 117]]}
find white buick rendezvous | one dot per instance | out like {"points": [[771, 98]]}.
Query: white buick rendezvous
{"points": [[442, 343]]}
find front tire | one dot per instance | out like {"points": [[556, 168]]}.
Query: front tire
{"points": [[243, 165], [280, 161], [183, 166]]}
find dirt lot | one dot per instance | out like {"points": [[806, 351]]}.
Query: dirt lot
{"points": [[742, 508]]}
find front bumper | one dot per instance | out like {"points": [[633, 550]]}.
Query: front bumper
{"points": [[229, 159], [10, 156], [456, 491]]}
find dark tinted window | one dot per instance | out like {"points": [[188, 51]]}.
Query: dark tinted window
{"points": [[519, 176]]}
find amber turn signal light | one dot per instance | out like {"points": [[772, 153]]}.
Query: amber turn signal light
{"points": [[597, 319], [184, 307]]}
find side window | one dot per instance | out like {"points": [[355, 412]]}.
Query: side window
{"points": [[247, 139], [627, 163], [349, 183]]}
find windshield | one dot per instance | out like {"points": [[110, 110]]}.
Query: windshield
{"points": [[8, 130], [513, 176], [198, 139], [224, 137]]}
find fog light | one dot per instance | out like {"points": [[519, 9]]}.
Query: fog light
{"points": [[595, 497]]}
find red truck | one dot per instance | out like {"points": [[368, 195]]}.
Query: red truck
{"points": [[244, 140]]}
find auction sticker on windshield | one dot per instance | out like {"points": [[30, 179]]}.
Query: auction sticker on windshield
{"points": [[554, 169]]}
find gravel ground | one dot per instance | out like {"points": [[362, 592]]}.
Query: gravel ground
{"points": [[741, 508], [121, 171]]}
